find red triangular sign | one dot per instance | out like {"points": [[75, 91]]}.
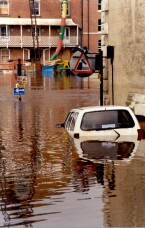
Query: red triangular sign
{"points": [[82, 66]]}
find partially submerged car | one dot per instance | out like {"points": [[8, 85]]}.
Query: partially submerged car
{"points": [[100, 121]]}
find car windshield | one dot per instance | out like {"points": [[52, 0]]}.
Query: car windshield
{"points": [[106, 119]]}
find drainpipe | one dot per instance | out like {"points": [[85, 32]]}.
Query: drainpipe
{"points": [[78, 35], [88, 24], [7, 35], [82, 17], [21, 36], [49, 40]]}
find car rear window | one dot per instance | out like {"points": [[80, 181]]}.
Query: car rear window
{"points": [[107, 119]]}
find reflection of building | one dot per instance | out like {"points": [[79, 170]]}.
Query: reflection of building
{"points": [[17, 29], [31, 165]]}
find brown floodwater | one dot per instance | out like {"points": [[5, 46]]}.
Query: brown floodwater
{"points": [[48, 180]]}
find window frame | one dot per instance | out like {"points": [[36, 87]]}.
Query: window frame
{"points": [[36, 31], [99, 44], [67, 34], [4, 35], [99, 5], [99, 25], [37, 7], [4, 7], [5, 57]]}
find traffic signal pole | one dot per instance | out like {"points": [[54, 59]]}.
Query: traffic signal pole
{"points": [[99, 69], [101, 78]]}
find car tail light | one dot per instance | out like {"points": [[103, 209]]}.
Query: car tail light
{"points": [[76, 136], [140, 134]]}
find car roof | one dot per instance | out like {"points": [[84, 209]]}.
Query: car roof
{"points": [[100, 108]]}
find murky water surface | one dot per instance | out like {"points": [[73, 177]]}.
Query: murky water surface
{"points": [[45, 178]]}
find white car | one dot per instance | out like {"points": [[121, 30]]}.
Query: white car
{"points": [[100, 121]]}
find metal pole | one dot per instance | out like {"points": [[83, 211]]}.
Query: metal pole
{"points": [[19, 68], [101, 78], [88, 24], [112, 85]]}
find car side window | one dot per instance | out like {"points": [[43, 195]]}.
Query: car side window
{"points": [[71, 120], [108, 119]]}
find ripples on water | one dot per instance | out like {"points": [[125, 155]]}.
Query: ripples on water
{"points": [[44, 180]]}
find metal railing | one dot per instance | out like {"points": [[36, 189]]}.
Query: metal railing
{"points": [[44, 41]]}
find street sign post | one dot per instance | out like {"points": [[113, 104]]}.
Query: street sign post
{"points": [[19, 91]]}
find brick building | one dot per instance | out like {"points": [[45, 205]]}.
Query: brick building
{"points": [[17, 29]]}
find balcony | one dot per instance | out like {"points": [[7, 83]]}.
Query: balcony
{"points": [[44, 41]]}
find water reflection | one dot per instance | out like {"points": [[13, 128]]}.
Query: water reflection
{"points": [[100, 150], [59, 82], [46, 180], [86, 169], [99, 158], [115, 166]]}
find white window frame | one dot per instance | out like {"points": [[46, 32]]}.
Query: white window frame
{"points": [[37, 31], [26, 53], [37, 7], [5, 55], [4, 7], [6, 34], [67, 35]]}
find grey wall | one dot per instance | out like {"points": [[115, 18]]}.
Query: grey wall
{"points": [[127, 35]]}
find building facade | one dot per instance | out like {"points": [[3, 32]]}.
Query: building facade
{"points": [[126, 76], [18, 27]]}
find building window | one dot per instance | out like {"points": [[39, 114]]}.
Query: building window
{"points": [[68, 8], [5, 53], [4, 7], [99, 4], [99, 45], [67, 34], [4, 32], [35, 7], [99, 25], [36, 31]]}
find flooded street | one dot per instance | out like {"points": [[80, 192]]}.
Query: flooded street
{"points": [[45, 181]]}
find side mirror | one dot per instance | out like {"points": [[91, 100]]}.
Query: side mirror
{"points": [[60, 125]]}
